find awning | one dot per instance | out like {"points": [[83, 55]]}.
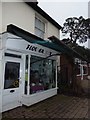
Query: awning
{"points": [[54, 44]]}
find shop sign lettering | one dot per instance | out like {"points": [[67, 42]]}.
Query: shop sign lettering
{"points": [[34, 48]]}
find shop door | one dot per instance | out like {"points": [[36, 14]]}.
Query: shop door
{"points": [[12, 83]]}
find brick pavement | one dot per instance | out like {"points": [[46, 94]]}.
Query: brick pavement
{"points": [[59, 106]]}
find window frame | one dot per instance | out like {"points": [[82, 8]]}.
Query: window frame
{"points": [[81, 70], [42, 21]]}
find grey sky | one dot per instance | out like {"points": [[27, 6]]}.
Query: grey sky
{"points": [[62, 10]]}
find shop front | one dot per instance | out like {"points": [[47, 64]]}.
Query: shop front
{"points": [[28, 67], [29, 74]]}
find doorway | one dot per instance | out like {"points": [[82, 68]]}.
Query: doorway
{"points": [[12, 83]]}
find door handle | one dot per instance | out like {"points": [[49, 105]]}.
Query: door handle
{"points": [[12, 91]]}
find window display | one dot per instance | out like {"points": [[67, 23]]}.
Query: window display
{"points": [[42, 74]]}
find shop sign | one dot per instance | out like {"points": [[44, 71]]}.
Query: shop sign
{"points": [[34, 48]]}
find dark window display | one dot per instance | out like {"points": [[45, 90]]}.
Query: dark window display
{"points": [[12, 75], [42, 74]]}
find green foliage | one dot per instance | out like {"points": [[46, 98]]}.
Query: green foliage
{"points": [[85, 52], [77, 28]]}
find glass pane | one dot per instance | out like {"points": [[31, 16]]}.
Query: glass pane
{"points": [[42, 27], [39, 25], [42, 74], [26, 74], [12, 75], [39, 33]]}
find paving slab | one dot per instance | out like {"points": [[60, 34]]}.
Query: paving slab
{"points": [[57, 107]]}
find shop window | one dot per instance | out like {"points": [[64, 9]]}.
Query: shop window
{"points": [[42, 74], [39, 28], [12, 75]]}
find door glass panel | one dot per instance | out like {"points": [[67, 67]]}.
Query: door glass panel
{"points": [[12, 75]]}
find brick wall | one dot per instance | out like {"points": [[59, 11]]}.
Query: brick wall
{"points": [[81, 84], [65, 63]]}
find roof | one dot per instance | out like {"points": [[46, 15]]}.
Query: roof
{"points": [[56, 44], [68, 50], [43, 13]]}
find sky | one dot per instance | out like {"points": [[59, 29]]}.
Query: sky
{"points": [[59, 10]]}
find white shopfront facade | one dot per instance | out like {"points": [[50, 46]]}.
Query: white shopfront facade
{"points": [[27, 74]]}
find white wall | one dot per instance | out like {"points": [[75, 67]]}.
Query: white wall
{"points": [[89, 9], [89, 43], [1, 82], [19, 14], [52, 30], [23, 16], [0, 42], [1, 77], [0, 68], [0, 16]]}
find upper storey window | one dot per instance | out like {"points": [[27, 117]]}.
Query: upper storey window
{"points": [[39, 28]]}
